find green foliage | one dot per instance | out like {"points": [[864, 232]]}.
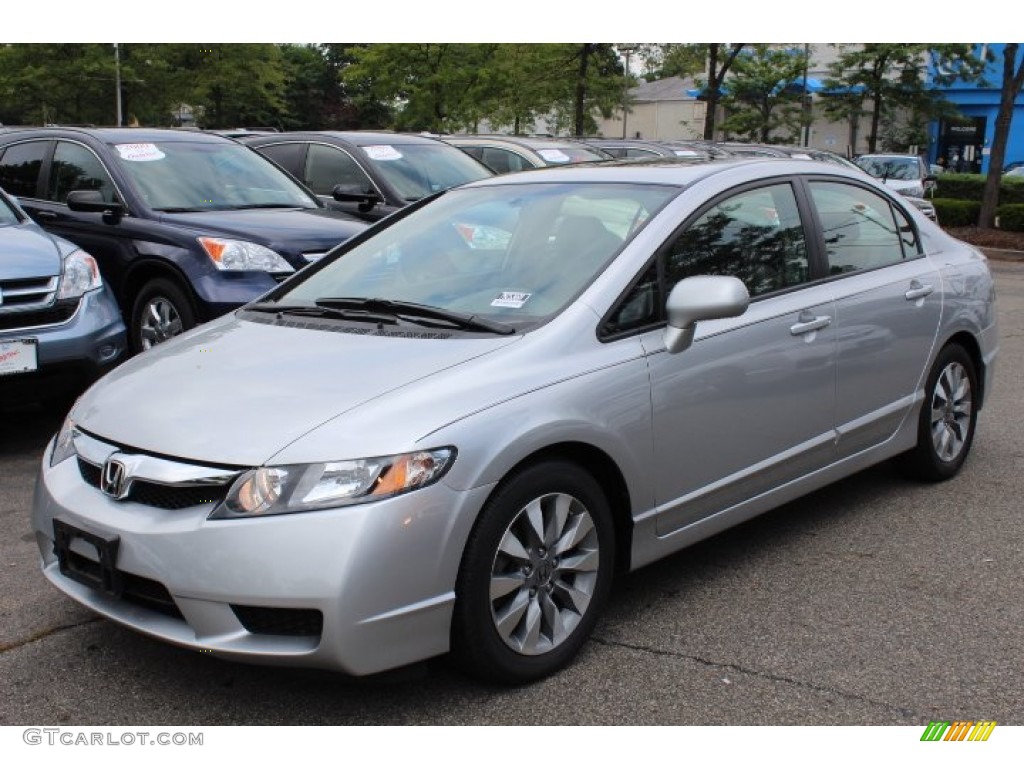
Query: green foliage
{"points": [[957, 213], [888, 80], [970, 186], [1011, 217], [760, 98]]}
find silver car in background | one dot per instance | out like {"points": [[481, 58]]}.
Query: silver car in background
{"points": [[449, 433]]}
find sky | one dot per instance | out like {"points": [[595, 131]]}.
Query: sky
{"points": [[467, 21]]}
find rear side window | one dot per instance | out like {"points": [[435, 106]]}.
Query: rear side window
{"points": [[859, 227], [75, 167], [19, 168]]}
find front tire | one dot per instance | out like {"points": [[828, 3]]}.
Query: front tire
{"points": [[535, 575], [948, 418], [161, 311]]}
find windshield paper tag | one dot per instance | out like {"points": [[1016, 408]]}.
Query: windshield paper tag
{"points": [[139, 153], [554, 155], [511, 299], [382, 152]]}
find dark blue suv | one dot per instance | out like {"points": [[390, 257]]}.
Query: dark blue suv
{"points": [[184, 225]]}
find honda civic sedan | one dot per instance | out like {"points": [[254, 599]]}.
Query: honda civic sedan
{"points": [[511, 393]]}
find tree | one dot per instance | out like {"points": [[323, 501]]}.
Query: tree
{"points": [[765, 92], [716, 75], [1012, 85], [892, 76]]}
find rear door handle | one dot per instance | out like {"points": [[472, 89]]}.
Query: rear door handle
{"points": [[808, 322], [46, 215], [918, 291]]}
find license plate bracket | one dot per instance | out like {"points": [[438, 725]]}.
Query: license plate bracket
{"points": [[18, 356], [101, 574]]}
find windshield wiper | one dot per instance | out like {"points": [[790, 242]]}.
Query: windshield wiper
{"points": [[342, 313], [251, 206], [416, 313]]}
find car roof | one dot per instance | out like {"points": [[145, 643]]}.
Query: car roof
{"points": [[530, 142], [119, 135], [665, 170], [359, 138]]}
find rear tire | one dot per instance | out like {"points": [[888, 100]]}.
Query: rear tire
{"points": [[535, 575], [949, 414]]}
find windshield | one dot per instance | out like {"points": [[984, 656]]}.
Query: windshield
{"points": [[566, 155], [206, 176], [7, 214], [418, 170], [899, 168], [515, 254]]}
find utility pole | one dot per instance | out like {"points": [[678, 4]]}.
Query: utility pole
{"points": [[627, 49], [117, 82], [805, 106]]}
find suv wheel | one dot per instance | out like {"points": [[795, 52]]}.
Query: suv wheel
{"points": [[161, 310]]}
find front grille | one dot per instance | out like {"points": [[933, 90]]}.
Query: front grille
{"points": [[31, 292], [294, 622], [59, 313], [157, 494]]}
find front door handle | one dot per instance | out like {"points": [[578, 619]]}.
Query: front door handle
{"points": [[918, 291], [46, 215], [808, 322]]}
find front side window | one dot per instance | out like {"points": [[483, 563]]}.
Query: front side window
{"points": [[327, 167], [513, 253], [183, 176], [756, 235], [19, 168], [75, 167], [502, 160], [858, 225]]}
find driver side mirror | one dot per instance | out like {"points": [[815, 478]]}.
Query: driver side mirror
{"points": [[706, 297], [91, 201], [354, 193]]}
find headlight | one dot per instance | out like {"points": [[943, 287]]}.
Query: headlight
{"points": [[305, 487], [64, 443], [81, 274], [235, 255], [917, 191]]}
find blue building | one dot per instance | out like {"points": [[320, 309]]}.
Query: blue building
{"points": [[966, 144]]}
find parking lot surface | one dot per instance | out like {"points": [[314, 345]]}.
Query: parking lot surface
{"points": [[875, 601]]}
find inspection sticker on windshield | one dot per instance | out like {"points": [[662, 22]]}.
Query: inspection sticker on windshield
{"points": [[139, 153], [382, 152], [511, 299]]}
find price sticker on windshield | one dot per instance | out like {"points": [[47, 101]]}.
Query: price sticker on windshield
{"points": [[382, 152], [139, 153]]}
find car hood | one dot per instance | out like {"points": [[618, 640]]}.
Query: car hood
{"points": [[902, 185], [285, 230], [237, 392], [27, 251]]}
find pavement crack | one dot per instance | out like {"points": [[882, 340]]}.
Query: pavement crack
{"points": [[770, 676], [44, 633]]}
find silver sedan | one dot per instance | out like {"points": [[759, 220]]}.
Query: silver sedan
{"points": [[449, 434]]}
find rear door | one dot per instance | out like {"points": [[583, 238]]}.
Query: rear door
{"points": [[888, 305]]}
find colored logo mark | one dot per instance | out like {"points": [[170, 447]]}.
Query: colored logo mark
{"points": [[960, 730]]}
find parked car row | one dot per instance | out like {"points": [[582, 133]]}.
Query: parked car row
{"points": [[186, 225]]}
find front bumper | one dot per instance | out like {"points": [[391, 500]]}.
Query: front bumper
{"points": [[72, 353], [382, 574]]}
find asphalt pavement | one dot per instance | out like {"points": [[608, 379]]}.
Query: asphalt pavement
{"points": [[875, 601]]}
